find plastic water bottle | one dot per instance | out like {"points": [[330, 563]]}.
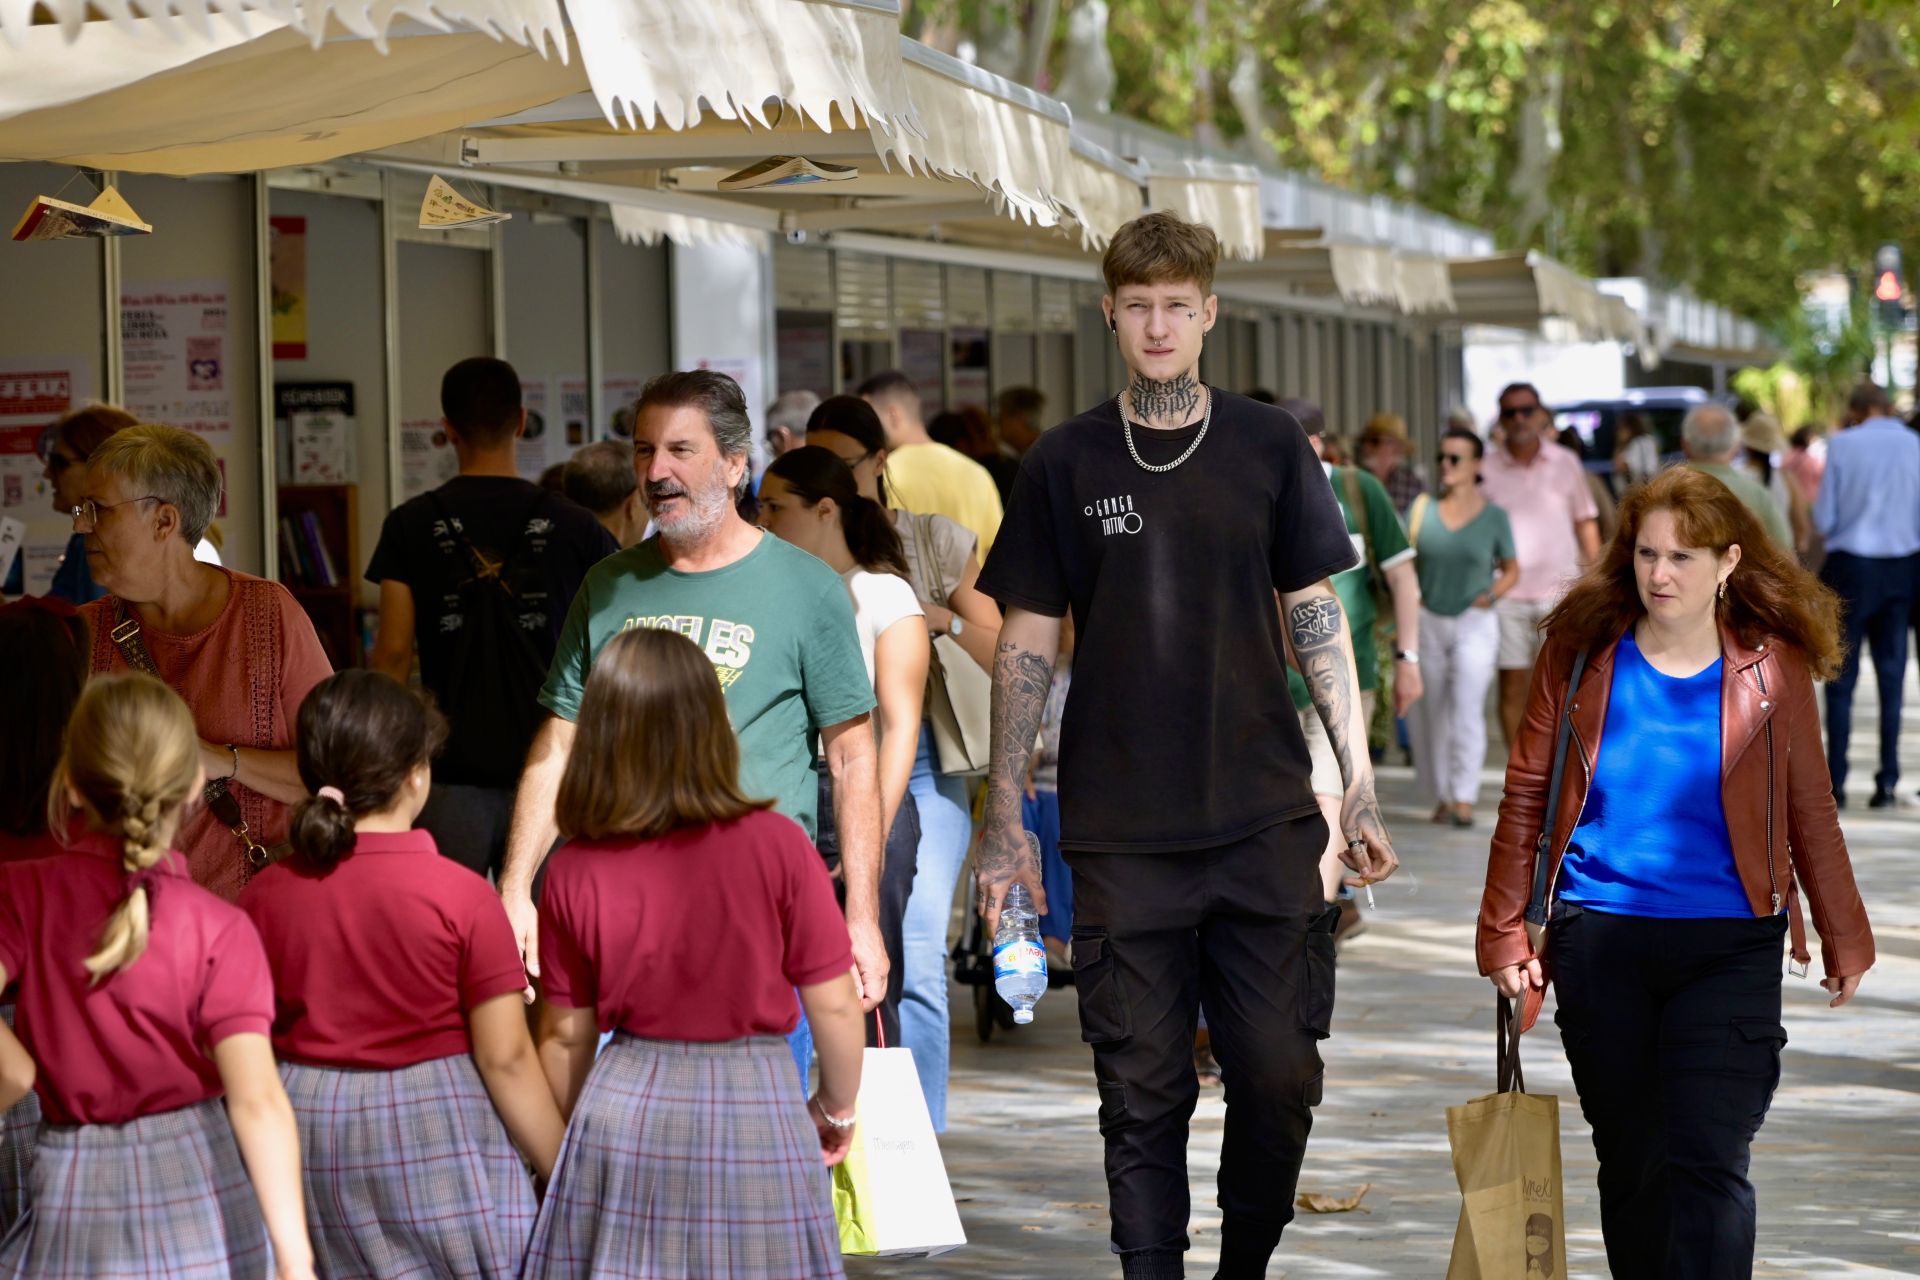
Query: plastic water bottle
{"points": [[1019, 961]]}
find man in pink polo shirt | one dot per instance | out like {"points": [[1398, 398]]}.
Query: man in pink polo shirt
{"points": [[1556, 531]]}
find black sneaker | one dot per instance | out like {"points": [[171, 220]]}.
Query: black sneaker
{"points": [[1882, 799]]}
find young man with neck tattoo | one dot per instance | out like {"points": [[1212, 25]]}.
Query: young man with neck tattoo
{"points": [[1169, 519]]}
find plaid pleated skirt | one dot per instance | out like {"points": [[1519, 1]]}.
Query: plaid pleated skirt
{"points": [[18, 1128], [164, 1197], [688, 1162], [409, 1173]]}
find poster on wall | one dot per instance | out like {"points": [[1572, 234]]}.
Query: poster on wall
{"points": [[287, 272], [744, 370], [970, 366], [317, 432], [531, 458], [174, 340], [427, 459], [576, 418], [34, 392], [618, 394]]}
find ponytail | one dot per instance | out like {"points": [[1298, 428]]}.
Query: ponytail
{"points": [[814, 473], [361, 734], [132, 756]]}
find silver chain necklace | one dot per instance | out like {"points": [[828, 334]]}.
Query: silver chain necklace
{"points": [[1126, 427]]}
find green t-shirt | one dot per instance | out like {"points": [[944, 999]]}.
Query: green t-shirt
{"points": [[1355, 592], [1754, 496], [777, 625], [1457, 565]]}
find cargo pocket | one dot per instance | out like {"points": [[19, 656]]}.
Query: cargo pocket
{"points": [[1752, 1070], [1316, 978], [1104, 1017]]}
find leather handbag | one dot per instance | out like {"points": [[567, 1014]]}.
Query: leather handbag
{"points": [[219, 800], [1538, 908], [959, 693]]}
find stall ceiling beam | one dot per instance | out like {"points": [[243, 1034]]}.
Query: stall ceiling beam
{"points": [[888, 214], [663, 149], [697, 206]]}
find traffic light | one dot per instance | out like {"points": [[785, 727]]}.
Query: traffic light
{"points": [[1889, 290]]}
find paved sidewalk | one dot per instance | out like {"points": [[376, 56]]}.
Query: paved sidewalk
{"points": [[1837, 1165]]}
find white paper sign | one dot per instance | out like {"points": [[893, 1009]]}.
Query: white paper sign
{"points": [[174, 338], [427, 460]]}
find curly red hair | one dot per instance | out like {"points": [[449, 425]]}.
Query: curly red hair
{"points": [[1769, 595]]}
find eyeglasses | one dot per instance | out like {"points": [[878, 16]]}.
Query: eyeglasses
{"points": [[1518, 411], [854, 462], [1455, 459], [88, 511]]}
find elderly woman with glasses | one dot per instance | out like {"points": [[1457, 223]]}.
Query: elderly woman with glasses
{"points": [[1465, 560], [65, 447], [238, 649]]}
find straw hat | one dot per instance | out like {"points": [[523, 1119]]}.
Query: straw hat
{"points": [[1762, 432]]}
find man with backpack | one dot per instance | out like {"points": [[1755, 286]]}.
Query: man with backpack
{"points": [[477, 575]]}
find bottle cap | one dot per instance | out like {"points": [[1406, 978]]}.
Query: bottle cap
{"points": [[1023, 1016]]}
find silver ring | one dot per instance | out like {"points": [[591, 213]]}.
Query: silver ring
{"points": [[1356, 844]]}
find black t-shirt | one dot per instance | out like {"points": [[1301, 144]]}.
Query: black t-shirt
{"points": [[1179, 732], [557, 543]]}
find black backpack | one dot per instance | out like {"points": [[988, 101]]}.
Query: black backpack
{"points": [[491, 692]]}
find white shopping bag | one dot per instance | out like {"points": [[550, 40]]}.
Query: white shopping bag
{"points": [[891, 1198]]}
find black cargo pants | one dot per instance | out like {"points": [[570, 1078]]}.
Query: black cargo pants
{"points": [[1242, 929]]}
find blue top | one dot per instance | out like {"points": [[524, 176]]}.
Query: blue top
{"points": [[1869, 499], [72, 581], [1652, 840]]}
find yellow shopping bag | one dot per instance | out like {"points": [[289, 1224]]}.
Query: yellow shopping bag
{"points": [[1506, 1157]]}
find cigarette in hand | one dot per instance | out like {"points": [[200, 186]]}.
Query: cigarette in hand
{"points": [[1368, 886]]}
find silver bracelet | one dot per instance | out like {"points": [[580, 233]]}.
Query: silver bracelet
{"points": [[834, 1122]]}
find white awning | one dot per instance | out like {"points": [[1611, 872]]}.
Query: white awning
{"points": [[1423, 285], [1225, 197], [635, 225], [39, 71], [533, 23], [1103, 193], [1359, 273], [1520, 290]]}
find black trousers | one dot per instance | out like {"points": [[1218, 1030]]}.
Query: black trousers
{"points": [[1673, 1031], [1879, 596], [896, 885], [470, 824], [1243, 930]]}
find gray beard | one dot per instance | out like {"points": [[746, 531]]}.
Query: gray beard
{"points": [[706, 511]]}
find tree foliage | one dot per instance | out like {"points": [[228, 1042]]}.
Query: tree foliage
{"points": [[1730, 145]]}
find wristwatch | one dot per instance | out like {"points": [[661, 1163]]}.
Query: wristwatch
{"points": [[1407, 656], [956, 626]]}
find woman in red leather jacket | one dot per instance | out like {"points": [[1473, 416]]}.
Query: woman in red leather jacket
{"points": [[1694, 811]]}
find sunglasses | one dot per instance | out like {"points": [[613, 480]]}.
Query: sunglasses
{"points": [[1455, 459], [1518, 411]]}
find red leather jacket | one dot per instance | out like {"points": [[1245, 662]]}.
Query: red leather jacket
{"points": [[1778, 797]]}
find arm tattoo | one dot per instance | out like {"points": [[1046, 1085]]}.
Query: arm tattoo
{"points": [[1175, 398], [1021, 680], [1316, 625]]}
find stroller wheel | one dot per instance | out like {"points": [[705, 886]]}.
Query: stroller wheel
{"points": [[984, 998]]}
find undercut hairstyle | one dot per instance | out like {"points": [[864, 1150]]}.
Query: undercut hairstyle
{"points": [[480, 398], [600, 477], [175, 466], [362, 732], [1870, 398], [1161, 248], [1769, 596], [717, 397], [791, 411], [889, 384], [814, 473], [85, 430], [1023, 402], [43, 643], [132, 756], [1308, 414], [654, 750]]}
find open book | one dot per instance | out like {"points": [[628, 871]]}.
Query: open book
{"points": [[445, 207], [109, 215]]}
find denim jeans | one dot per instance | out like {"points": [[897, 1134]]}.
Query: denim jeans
{"points": [[946, 829]]}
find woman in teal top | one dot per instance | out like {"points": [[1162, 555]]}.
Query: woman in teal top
{"points": [[1464, 556]]}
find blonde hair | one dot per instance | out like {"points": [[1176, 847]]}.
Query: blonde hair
{"points": [[176, 466], [132, 756]]}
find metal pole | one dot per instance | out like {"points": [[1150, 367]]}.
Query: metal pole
{"points": [[596, 337], [113, 376], [390, 338], [263, 370]]}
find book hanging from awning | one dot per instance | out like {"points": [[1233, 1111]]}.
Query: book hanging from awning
{"points": [[445, 208], [50, 218]]}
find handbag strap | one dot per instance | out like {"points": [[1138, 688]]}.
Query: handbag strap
{"points": [[1536, 913], [929, 562], [1508, 1077], [218, 799]]}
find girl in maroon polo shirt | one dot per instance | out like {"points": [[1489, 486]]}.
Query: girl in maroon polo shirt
{"points": [[399, 1016], [681, 916], [143, 999], [45, 642]]}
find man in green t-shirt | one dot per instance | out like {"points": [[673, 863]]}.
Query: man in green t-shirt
{"points": [[1382, 544], [1711, 437], [777, 625]]}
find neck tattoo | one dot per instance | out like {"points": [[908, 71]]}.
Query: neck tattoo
{"points": [[1169, 401]]}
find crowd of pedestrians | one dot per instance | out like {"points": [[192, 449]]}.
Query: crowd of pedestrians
{"points": [[693, 766]]}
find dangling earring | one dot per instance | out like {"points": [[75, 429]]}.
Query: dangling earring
{"points": [[1721, 594]]}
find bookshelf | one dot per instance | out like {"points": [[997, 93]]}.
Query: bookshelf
{"points": [[320, 563]]}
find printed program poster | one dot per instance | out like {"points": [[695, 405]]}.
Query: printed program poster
{"points": [[531, 459], [288, 273], [619, 392], [174, 339], [427, 459], [35, 392]]}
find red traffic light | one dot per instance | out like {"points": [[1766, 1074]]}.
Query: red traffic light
{"points": [[1887, 288]]}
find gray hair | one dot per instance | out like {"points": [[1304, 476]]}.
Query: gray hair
{"points": [[175, 466], [791, 411], [713, 394], [1709, 431], [600, 476]]}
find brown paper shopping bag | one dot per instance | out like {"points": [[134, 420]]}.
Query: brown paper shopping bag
{"points": [[1506, 1156]]}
